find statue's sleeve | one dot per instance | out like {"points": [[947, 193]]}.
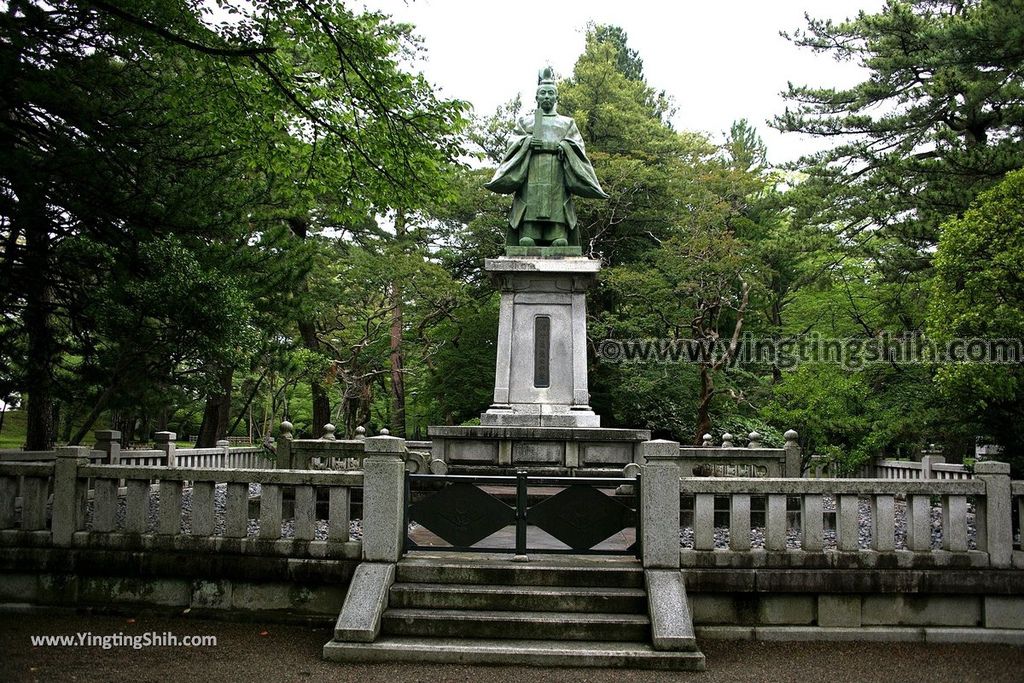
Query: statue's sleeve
{"points": [[512, 172], [580, 178], [573, 135]]}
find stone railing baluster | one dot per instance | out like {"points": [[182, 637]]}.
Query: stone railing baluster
{"points": [[305, 512], [883, 523], [8, 494], [236, 510], [776, 523], [170, 507], [33, 503], [812, 534], [954, 523], [136, 518], [704, 521], [104, 505], [271, 501], [338, 514], [919, 523], [203, 523], [739, 521], [847, 522]]}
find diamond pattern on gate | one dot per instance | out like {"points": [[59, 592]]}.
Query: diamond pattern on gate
{"points": [[580, 516], [462, 514]]}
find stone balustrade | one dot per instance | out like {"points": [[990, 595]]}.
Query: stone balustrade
{"points": [[984, 500], [184, 508], [165, 453], [242, 509], [929, 467], [729, 460], [880, 496]]}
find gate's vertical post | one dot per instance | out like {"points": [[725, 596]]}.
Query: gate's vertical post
{"points": [[659, 505], [639, 492], [384, 529], [406, 503], [995, 535], [521, 502], [68, 496]]}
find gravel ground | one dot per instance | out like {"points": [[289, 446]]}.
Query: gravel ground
{"points": [[273, 652]]}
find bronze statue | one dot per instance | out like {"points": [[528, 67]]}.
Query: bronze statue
{"points": [[544, 166]]}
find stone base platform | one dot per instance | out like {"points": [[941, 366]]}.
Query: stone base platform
{"points": [[545, 653], [551, 449], [539, 415]]}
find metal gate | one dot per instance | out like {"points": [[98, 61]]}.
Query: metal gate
{"points": [[579, 515]]}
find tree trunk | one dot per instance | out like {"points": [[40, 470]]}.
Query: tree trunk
{"points": [[397, 369], [397, 387], [38, 322], [707, 391], [307, 330], [97, 409], [163, 419], [248, 403], [216, 413], [321, 402]]}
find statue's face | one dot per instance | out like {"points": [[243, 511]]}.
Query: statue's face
{"points": [[547, 96]]}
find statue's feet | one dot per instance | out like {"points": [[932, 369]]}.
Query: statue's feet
{"points": [[560, 242], [526, 242]]}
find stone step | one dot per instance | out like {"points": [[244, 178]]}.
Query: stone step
{"points": [[598, 599], [614, 574], [452, 623], [514, 653]]}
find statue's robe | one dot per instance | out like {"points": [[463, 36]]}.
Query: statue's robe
{"points": [[545, 181]]}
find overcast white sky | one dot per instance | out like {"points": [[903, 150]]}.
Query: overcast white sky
{"points": [[720, 61]]}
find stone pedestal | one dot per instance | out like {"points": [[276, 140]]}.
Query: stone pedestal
{"points": [[596, 451], [540, 378]]}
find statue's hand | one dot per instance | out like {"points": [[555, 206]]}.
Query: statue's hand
{"points": [[536, 144]]}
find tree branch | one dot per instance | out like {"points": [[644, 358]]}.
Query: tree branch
{"points": [[148, 25]]}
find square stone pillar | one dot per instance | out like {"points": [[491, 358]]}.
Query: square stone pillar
{"points": [[659, 504], [540, 377], [384, 529], [109, 441], [995, 524], [165, 441], [68, 497]]}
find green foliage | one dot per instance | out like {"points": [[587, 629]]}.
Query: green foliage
{"points": [[937, 120], [460, 381], [979, 293], [135, 126]]}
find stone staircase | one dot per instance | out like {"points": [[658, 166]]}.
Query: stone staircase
{"points": [[494, 611]]}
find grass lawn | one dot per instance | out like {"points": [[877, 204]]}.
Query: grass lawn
{"points": [[13, 434]]}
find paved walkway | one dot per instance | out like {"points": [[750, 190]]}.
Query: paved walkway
{"points": [[274, 652]]}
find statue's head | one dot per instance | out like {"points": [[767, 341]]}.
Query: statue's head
{"points": [[547, 91]]}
